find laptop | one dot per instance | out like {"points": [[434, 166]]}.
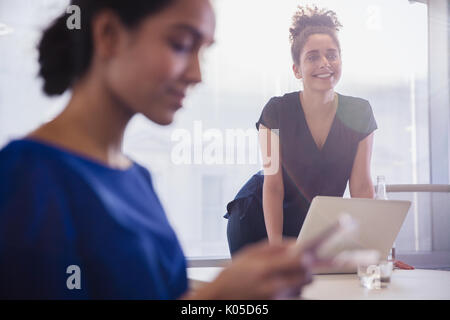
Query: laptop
{"points": [[378, 224]]}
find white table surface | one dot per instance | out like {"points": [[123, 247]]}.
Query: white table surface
{"points": [[405, 285]]}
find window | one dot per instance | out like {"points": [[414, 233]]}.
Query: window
{"points": [[212, 191]]}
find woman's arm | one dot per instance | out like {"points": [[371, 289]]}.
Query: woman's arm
{"points": [[260, 271], [273, 189], [361, 185]]}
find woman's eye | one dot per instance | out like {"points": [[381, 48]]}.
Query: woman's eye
{"points": [[179, 47], [312, 58], [332, 56]]}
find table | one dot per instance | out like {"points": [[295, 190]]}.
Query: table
{"points": [[418, 284]]}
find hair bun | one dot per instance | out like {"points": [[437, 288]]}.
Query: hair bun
{"points": [[65, 55], [55, 57], [307, 16]]}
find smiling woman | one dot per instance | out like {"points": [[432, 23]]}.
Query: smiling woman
{"points": [[324, 140]]}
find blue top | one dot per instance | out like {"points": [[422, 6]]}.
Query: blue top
{"points": [[59, 209]]}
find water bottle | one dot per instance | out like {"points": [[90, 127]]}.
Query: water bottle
{"points": [[381, 195], [391, 256], [381, 188]]}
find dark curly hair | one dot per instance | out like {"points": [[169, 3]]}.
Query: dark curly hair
{"points": [[65, 55], [308, 21]]}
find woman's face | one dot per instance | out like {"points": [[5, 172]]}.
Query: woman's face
{"points": [[320, 63], [153, 65]]}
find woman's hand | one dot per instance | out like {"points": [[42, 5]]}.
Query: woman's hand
{"points": [[260, 271]]}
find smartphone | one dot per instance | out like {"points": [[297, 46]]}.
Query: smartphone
{"points": [[346, 226]]}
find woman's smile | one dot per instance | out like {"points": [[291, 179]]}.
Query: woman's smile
{"points": [[324, 75]]}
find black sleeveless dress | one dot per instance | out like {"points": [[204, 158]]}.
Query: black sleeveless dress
{"points": [[307, 170]]}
